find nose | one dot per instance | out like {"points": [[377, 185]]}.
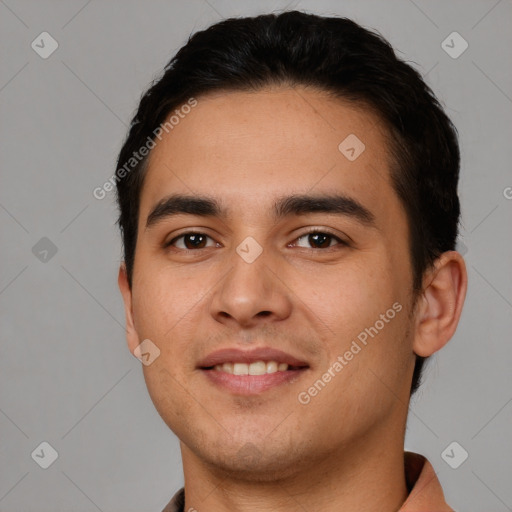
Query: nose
{"points": [[251, 294]]}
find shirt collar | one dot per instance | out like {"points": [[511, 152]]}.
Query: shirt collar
{"points": [[425, 492]]}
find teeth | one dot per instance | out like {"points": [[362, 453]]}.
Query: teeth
{"points": [[240, 369], [256, 368], [272, 367]]}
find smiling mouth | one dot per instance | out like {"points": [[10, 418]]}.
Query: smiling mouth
{"points": [[246, 379], [251, 372], [256, 368]]}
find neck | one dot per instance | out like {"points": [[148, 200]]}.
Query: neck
{"points": [[365, 476]]}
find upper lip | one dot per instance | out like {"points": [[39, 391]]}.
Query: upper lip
{"points": [[235, 355]]}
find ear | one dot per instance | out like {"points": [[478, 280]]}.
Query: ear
{"points": [[440, 304], [132, 337]]}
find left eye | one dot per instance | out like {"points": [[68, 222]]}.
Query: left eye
{"points": [[191, 241], [318, 240]]}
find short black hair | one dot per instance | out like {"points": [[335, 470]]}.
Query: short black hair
{"points": [[335, 55]]}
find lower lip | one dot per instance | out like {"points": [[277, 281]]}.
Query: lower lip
{"points": [[252, 384]]}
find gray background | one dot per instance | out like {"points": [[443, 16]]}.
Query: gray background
{"points": [[67, 377]]}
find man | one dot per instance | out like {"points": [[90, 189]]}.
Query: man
{"points": [[289, 212]]}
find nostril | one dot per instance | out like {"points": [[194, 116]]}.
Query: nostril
{"points": [[264, 313]]}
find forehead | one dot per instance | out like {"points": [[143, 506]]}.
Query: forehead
{"points": [[248, 148]]}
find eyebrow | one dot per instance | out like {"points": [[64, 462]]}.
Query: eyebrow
{"points": [[179, 204]]}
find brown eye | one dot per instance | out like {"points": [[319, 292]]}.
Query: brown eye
{"points": [[194, 241], [318, 240], [191, 241]]}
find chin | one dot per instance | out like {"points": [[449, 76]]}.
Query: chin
{"points": [[260, 470], [253, 461]]}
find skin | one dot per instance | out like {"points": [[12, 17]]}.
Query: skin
{"points": [[344, 449]]}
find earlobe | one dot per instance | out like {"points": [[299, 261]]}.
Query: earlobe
{"points": [[132, 337], [440, 304]]}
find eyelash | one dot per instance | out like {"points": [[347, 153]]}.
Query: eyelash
{"points": [[316, 231], [309, 232]]}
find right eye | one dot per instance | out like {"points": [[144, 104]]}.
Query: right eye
{"points": [[190, 241]]}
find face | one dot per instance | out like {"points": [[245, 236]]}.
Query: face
{"points": [[287, 253]]}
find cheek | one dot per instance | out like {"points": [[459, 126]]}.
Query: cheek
{"points": [[350, 296], [363, 304], [163, 299], [167, 390], [170, 308]]}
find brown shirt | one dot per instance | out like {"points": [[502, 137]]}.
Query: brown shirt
{"points": [[425, 492]]}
